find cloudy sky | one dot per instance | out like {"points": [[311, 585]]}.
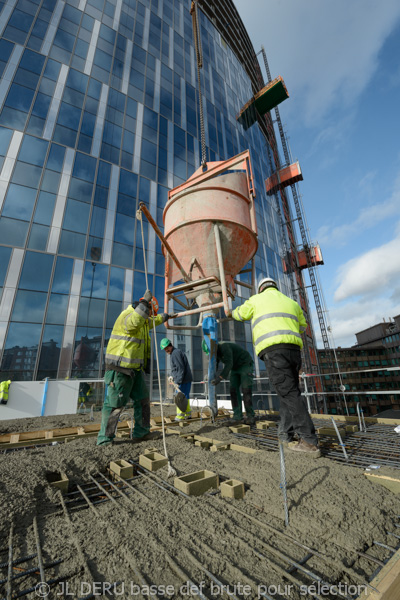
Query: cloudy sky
{"points": [[340, 61]]}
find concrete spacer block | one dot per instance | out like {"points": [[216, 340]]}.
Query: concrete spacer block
{"points": [[183, 424], [244, 449], [122, 468], [219, 447], [262, 425], [351, 428], [149, 450], [202, 443], [153, 461], [202, 438], [196, 484], [58, 480], [240, 429], [195, 414], [232, 489], [172, 431]]}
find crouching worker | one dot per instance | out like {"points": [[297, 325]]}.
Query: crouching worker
{"points": [[239, 367], [127, 359], [181, 376]]}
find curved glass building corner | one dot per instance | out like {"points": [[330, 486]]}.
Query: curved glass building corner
{"points": [[98, 112]]}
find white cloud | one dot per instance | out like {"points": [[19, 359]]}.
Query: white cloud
{"points": [[326, 51], [351, 318], [373, 274], [368, 217]]}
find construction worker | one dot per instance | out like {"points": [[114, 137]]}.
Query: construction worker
{"points": [[181, 376], [127, 358], [239, 367], [278, 323], [4, 386], [85, 391]]}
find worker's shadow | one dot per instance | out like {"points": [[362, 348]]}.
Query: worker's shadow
{"points": [[313, 483]]}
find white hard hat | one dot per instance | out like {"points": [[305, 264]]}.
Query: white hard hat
{"points": [[265, 283]]}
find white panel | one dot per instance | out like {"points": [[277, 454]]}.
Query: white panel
{"points": [[98, 130], [170, 154], [58, 215], [72, 313], [9, 163], [51, 31], [117, 14], [171, 48], [128, 288], [127, 66], [9, 72], [5, 15], [138, 138], [92, 48], [14, 268], [157, 86], [25, 399], [183, 103], [77, 278], [55, 103], [146, 29]]}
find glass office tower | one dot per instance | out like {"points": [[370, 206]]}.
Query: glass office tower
{"points": [[99, 111]]}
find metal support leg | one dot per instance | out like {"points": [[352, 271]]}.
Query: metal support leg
{"points": [[211, 337], [227, 303]]}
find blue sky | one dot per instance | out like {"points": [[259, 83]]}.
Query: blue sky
{"points": [[340, 61]]}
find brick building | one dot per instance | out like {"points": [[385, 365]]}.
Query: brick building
{"points": [[367, 370]]}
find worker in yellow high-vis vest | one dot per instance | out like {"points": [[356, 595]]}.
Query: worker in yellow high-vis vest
{"points": [[4, 386], [127, 359], [278, 323]]}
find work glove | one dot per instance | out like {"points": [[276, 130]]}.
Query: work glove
{"points": [[148, 296], [171, 379], [217, 379], [165, 317]]}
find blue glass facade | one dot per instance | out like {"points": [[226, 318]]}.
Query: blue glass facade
{"points": [[98, 111]]}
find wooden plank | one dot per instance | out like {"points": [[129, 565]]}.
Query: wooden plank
{"points": [[387, 582], [391, 483]]}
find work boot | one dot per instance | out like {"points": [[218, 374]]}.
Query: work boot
{"points": [[153, 435], [303, 446], [248, 405]]}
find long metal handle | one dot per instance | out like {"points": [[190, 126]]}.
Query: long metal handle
{"points": [[227, 308]]}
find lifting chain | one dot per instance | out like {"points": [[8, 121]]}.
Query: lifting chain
{"points": [[199, 60]]}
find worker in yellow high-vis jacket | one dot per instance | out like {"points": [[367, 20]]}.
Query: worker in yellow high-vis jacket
{"points": [[278, 323], [4, 385], [127, 359]]}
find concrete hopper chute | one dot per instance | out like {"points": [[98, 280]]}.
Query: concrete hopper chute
{"points": [[265, 100], [210, 235], [283, 178]]}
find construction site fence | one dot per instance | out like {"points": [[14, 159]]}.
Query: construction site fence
{"points": [[70, 396]]}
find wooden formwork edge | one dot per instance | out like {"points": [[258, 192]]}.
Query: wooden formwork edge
{"points": [[347, 419], [387, 581], [47, 436]]}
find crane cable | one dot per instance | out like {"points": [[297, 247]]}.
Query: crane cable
{"points": [[199, 60], [171, 470]]}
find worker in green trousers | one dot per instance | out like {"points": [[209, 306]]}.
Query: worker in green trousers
{"points": [[127, 359], [239, 367]]}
